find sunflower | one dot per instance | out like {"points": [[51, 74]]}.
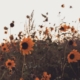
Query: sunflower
{"points": [[5, 48], [12, 24], [64, 27], [72, 29], [10, 64], [5, 32], [5, 28], [73, 56], [36, 78], [21, 78], [44, 74], [46, 32], [26, 45], [11, 37]]}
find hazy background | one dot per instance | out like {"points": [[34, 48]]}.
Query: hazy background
{"points": [[18, 9]]}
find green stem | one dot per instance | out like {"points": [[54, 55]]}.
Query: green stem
{"points": [[64, 63], [23, 65], [3, 75]]}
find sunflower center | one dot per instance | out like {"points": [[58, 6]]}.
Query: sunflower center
{"points": [[72, 56], [62, 28], [9, 64], [24, 45]]}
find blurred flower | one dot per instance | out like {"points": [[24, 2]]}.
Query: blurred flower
{"points": [[5, 48], [62, 5], [70, 6], [5, 28], [10, 63], [12, 24], [36, 78], [5, 32], [11, 37], [72, 29]]}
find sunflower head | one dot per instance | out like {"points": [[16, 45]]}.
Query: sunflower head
{"points": [[5, 32], [10, 64], [36, 78], [12, 24], [73, 56], [44, 74], [5, 48], [5, 28], [11, 37], [26, 45]]}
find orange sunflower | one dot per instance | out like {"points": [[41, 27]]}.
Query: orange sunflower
{"points": [[5, 48], [21, 78], [73, 56], [36, 78], [26, 45], [10, 64], [64, 27], [46, 32]]}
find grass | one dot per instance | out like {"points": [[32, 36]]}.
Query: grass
{"points": [[47, 56]]}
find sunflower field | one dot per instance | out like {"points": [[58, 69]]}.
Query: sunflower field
{"points": [[38, 57]]}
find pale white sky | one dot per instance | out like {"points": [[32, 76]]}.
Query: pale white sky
{"points": [[18, 9]]}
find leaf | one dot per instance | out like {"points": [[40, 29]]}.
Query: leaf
{"points": [[44, 15]]}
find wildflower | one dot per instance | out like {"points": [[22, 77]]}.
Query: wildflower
{"points": [[73, 56], [5, 48], [11, 37], [72, 29], [51, 28], [10, 64], [70, 6], [5, 28], [46, 32], [62, 5], [36, 78], [41, 26], [19, 35], [5, 32], [64, 27], [44, 74], [12, 24], [27, 16], [26, 45]]}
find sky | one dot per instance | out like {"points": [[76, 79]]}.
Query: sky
{"points": [[16, 10]]}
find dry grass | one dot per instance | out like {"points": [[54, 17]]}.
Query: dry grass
{"points": [[47, 55]]}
